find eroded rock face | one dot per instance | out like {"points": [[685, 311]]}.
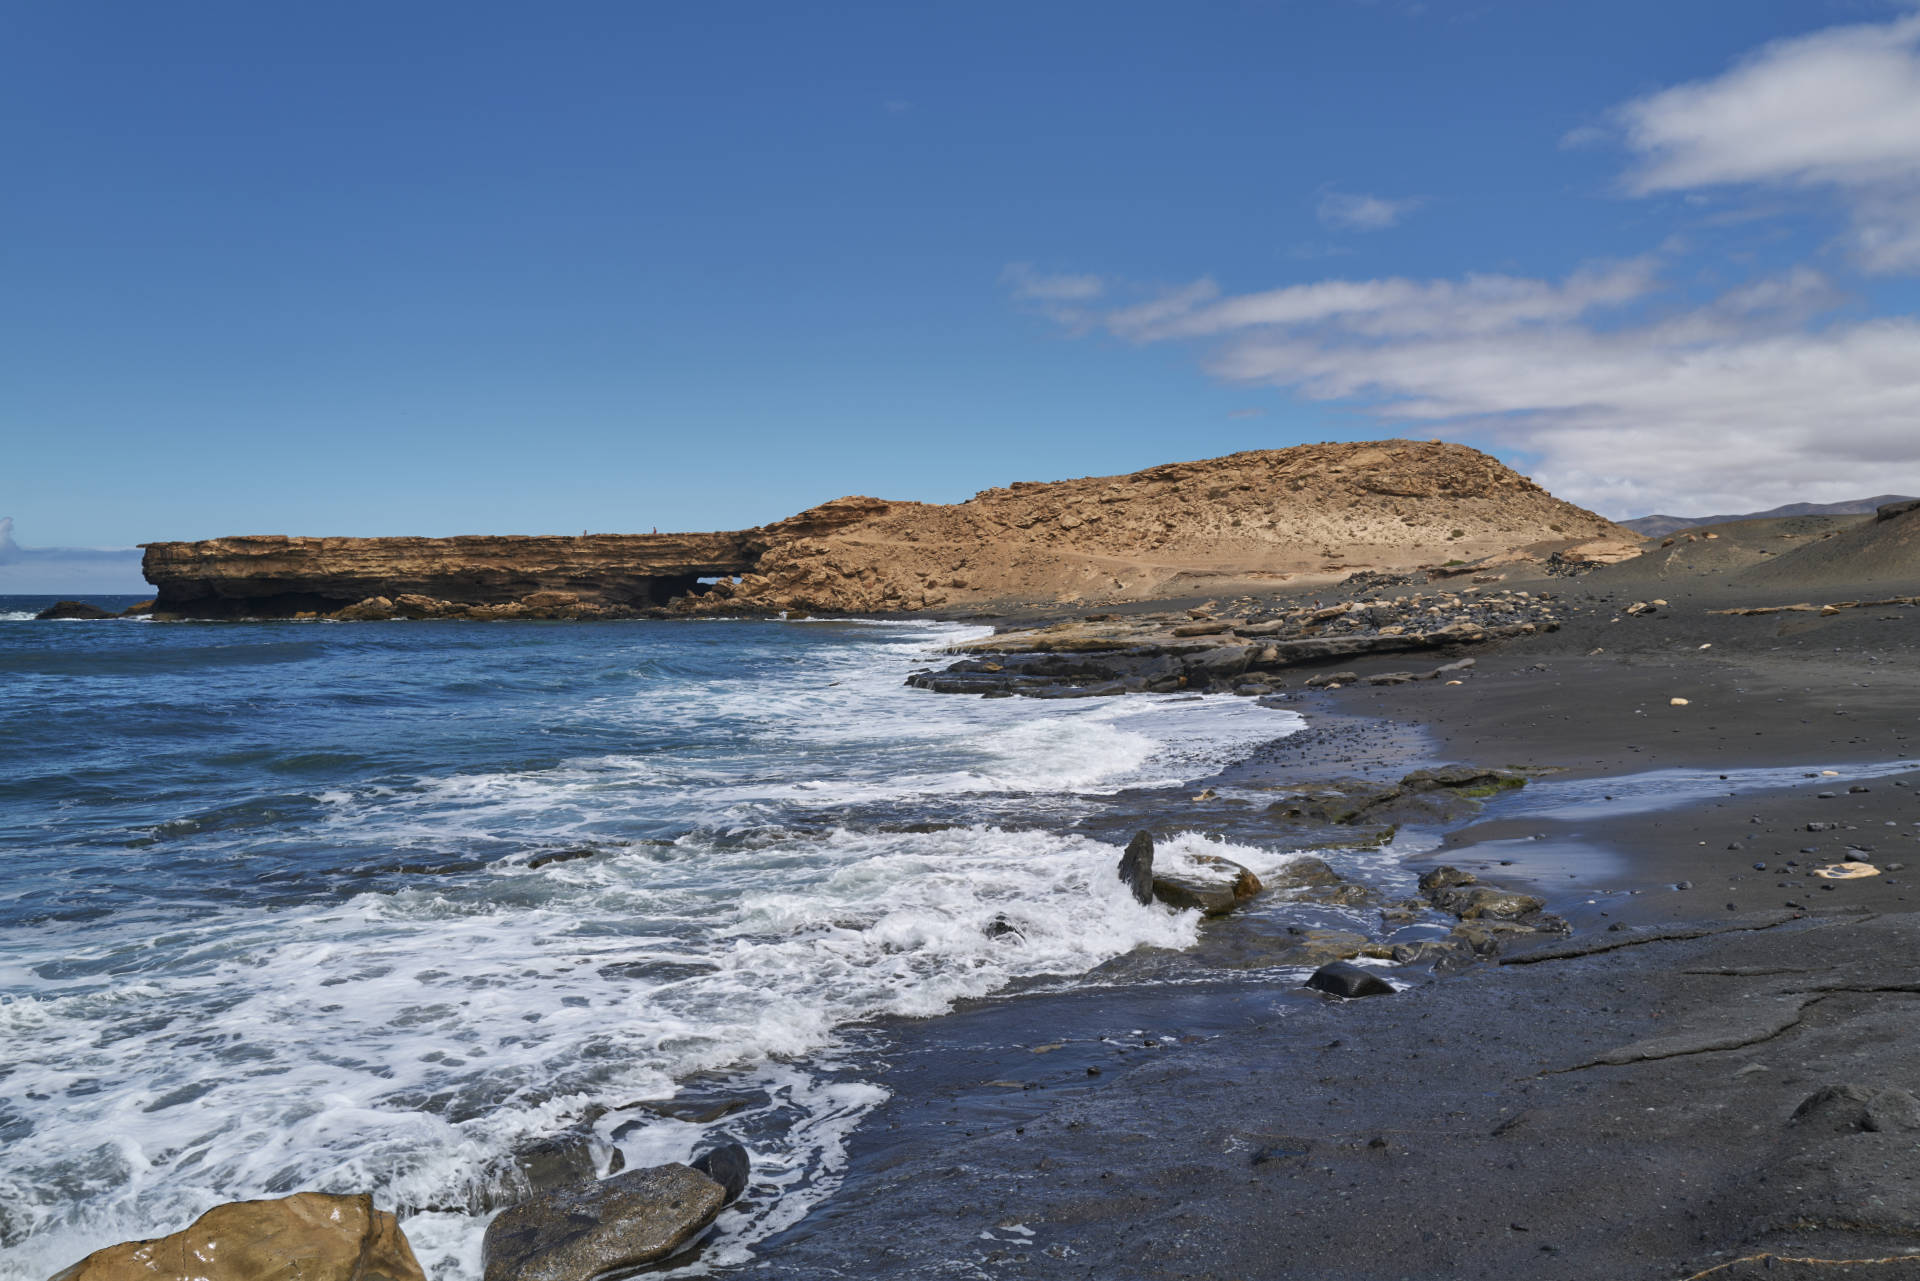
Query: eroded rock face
{"points": [[1309, 514], [578, 1232], [276, 576], [309, 1236]]}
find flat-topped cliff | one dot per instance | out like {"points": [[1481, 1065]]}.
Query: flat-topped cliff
{"points": [[1305, 515], [277, 576]]}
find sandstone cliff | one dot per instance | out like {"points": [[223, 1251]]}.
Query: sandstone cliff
{"points": [[596, 574], [1262, 519], [1310, 514]]}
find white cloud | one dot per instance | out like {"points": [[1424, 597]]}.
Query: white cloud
{"points": [[1838, 109], [1028, 285], [1348, 211], [1744, 400]]}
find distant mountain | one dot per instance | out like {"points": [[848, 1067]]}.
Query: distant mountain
{"points": [[1661, 526]]}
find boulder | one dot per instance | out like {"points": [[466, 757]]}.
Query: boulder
{"points": [[1208, 882], [309, 1236], [1349, 981], [74, 609], [1445, 877], [1136, 866], [1852, 1108], [1472, 902], [137, 609], [578, 1232], [1303, 873], [729, 1166], [373, 609]]}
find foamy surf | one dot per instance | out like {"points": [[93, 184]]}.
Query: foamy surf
{"points": [[343, 974]]}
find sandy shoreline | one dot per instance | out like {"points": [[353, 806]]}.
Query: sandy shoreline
{"points": [[1619, 1104]]}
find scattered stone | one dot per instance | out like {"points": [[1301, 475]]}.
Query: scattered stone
{"points": [[1212, 884], [309, 1236], [1850, 1108], [1445, 877], [1349, 981], [580, 1232], [1136, 867], [1472, 903], [1304, 872], [729, 1166], [1326, 679]]}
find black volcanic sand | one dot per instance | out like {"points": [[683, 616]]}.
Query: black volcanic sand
{"points": [[1619, 1103]]}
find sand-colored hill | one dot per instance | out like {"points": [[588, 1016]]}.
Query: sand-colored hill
{"points": [[1299, 516]]}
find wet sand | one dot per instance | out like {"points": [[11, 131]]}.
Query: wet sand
{"points": [[1618, 1103]]}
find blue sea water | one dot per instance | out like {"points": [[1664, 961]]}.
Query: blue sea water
{"points": [[279, 910]]}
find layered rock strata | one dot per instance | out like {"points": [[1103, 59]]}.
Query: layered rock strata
{"points": [[268, 576], [1309, 515]]}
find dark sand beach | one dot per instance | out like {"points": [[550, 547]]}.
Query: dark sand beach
{"points": [[1711, 1075]]}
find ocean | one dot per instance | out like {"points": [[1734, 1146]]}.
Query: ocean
{"points": [[369, 907]]}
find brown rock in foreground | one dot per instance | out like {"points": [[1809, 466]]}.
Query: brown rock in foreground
{"points": [[308, 1236]]}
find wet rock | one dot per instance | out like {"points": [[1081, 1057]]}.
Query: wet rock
{"points": [[1426, 952], [74, 609], [1325, 679], [1304, 872], [1849, 1108], [579, 1232], [729, 1166], [1208, 882], [556, 1161], [308, 1236], [1001, 927], [1445, 877], [1136, 867], [1345, 894], [1344, 979], [560, 856], [1473, 902], [137, 609], [1469, 780], [370, 610]]}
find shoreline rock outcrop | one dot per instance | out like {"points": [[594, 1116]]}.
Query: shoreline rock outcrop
{"points": [[309, 1236]]}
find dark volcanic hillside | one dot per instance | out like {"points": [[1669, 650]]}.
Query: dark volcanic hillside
{"points": [[1661, 526]]}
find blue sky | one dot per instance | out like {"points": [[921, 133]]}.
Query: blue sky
{"points": [[435, 268]]}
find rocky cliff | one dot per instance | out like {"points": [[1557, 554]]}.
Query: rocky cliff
{"points": [[1268, 518], [598, 574]]}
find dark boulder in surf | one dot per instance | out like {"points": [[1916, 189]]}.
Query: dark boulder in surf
{"points": [[584, 1230], [74, 609]]}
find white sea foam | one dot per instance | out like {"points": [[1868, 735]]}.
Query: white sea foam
{"points": [[404, 1041]]}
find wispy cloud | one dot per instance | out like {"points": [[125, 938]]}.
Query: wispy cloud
{"points": [[1728, 401], [1028, 285], [1350, 211], [38, 570], [1838, 109]]}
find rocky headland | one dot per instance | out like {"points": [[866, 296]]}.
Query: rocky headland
{"points": [[1309, 515]]}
